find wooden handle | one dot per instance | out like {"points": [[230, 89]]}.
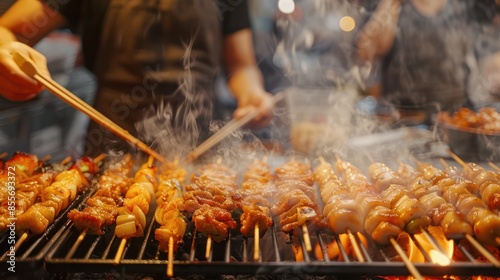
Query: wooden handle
{"points": [[30, 69]]}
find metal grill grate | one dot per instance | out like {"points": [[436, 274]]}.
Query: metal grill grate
{"points": [[234, 257], [31, 253]]}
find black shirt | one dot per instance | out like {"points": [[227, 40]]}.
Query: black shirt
{"points": [[87, 16]]}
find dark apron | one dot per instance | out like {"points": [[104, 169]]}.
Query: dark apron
{"points": [[156, 69]]}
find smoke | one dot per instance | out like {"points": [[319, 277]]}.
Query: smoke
{"points": [[173, 129], [317, 54]]}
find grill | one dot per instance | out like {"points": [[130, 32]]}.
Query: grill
{"points": [[233, 257], [65, 253], [31, 253], [63, 249]]}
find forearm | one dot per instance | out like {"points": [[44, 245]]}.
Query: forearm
{"points": [[29, 21], [377, 37], [246, 80], [6, 35]]}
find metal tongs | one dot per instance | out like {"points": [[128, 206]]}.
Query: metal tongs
{"points": [[28, 67], [226, 130]]}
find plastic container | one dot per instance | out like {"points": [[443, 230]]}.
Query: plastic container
{"points": [[318, 117]]}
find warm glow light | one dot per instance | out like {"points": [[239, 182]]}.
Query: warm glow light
{"points": [[436, 256], [439, 258], [286, 6], [404, 240], [347, 24]]}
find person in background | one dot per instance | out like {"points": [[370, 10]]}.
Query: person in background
{"points": [[425, 49], [152, 59]]}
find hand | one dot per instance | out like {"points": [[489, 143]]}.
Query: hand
{"points": [[262, 102], [15, 85]]}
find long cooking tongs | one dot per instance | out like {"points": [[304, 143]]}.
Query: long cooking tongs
{"points": [[28, 67]]}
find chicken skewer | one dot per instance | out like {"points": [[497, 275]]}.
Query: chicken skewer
{"points": [[101, 208], [131, 219], [27, 193], [20, 167], [173, 225], [482, 183], [209, 198], [28, 190], [56, 197], [485, 223], [296, 198], [380, 221], [440, 216], [257, 184], [23, 165]]}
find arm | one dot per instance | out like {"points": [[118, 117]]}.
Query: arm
{"points": [[377, 36], [22, 26], [245, 79]]}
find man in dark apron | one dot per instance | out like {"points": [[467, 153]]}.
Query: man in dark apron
{"points": [[424, 48], [156, 62]]}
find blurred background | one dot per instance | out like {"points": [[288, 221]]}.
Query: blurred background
{"points": [[307, 44]]}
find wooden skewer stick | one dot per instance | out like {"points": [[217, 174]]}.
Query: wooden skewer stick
{"points": [[494, 166], [444, 163], [99, 158], [150, 161], [307, 238], [256, 243], [457, 158], [170, 263], [46, 158], [482, 250], [4, 154], [413, 270], [66, 160], [119, 253], [209, 247], [434, 245], [21, 240], [18, 244], [355, 246], [77, 243]]}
